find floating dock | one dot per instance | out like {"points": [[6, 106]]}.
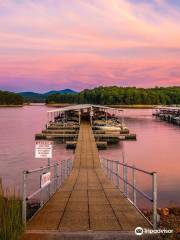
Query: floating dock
{"points": [[63, 125], [168, 114], [87, 202]]}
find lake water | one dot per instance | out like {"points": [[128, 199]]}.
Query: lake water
{"points": [[157, 148]]}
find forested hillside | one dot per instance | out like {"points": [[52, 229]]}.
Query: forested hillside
{"points": [[119, 95], [9, 98]]}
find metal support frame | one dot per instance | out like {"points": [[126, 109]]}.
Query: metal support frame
{"points": [[107, 165]]}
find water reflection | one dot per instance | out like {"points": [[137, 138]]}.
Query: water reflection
{"points": [[18, 127], [156, 149]]}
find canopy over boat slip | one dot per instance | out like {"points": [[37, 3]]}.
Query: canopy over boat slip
{"points": [[80, 107]]}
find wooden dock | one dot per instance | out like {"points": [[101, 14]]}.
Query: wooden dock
{"points": [[87, 201]]}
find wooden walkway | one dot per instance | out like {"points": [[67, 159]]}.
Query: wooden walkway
{"points": [[87, 200]]}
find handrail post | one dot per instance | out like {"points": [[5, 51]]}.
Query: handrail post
{"points": [[107, 166], [61, 177], [41, 193], [49, 186], [67, 167], [125, 180], [154, 200], [117, 172], [111, 168], [134, 185], [64, 170], [55, 177], [24, 193]]}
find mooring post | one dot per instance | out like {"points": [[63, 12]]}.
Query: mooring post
{"points": [[154, 200], [134, 185], [24, 198]]}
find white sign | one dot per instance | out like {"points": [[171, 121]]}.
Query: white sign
{"points": [[45, 179], [91, 113], [43, 149]]}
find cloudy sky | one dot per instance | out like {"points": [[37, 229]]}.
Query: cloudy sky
{"points": [[56, 44]]}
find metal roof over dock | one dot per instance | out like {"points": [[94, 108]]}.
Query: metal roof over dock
{"points": [[81, 107]]}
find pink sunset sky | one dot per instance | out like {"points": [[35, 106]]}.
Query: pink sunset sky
{"points": [[57, 44]]}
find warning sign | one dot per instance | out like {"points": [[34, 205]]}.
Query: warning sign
{"points": [[43, 149], [45, 179]]}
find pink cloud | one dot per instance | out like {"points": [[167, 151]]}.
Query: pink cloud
{"points": [[87, 43]]}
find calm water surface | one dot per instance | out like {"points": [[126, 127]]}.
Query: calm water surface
{"points": [[17, 130], [157, 148]]}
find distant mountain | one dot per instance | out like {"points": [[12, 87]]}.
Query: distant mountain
{"points": [[41, 97], [64, 91]]}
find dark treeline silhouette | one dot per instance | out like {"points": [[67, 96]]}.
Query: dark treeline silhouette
{"points": [[9, 98], [121, 95]]}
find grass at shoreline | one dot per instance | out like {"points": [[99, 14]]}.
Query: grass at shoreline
{"points": [[11, 225]]}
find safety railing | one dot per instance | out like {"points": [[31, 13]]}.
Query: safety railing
{"points": [[112, 169], [50, 179]]}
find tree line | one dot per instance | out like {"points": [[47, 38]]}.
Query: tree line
{"points": [[9, 98], [120, 95]]}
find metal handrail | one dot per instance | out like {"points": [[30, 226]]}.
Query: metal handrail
{"points": [[130, 166], [41, 168], [65, 169], [131, 185], [107, 164]]}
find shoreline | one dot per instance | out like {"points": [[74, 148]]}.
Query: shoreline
{"points": [[13, 105], [169, 217]]}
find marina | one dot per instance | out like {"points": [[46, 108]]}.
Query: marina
{"points": [[165, 136], [168, 114], [63, 124], [89, 193]]}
